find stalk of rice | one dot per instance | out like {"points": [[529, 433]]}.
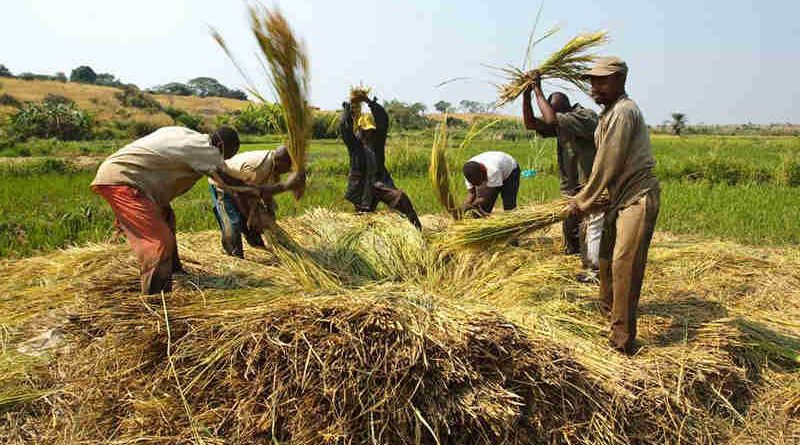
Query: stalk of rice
{"points": [[482, 232], [358, 95], [286, 65], [568, 64]]}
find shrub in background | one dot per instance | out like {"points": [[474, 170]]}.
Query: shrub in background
{"points": [[63, 121], [325, 126], [56, 99], [132, 96], [9, 101]]}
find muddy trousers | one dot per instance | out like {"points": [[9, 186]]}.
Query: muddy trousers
{"points": [[150, 231], [623, 256]]}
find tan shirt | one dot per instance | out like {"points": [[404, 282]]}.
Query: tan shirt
{"points": [[163, 165], [254, 168], [575, 130], [624, 162]]}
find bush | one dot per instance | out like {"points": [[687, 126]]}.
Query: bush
{"points": [[257, 119], [9, 101], [189, 121], [454, 122], [184, 118], [52, 120], [56, 99], [131, 96], [325, 126]]}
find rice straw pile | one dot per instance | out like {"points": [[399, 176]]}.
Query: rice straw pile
{"points": [[491, 346], [285, 58], [568, 64]]}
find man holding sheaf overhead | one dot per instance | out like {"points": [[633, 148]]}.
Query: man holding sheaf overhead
{"points": [[369, 182]]}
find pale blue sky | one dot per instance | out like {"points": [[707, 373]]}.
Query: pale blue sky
{"points": [[717, 61]]}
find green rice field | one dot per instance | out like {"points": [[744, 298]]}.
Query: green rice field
{"points": [[745, 189]]}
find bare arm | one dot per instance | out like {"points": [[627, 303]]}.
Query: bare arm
{"points": [[546, 126]]}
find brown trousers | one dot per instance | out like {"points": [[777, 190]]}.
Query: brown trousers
{"points": [[622, 265]]}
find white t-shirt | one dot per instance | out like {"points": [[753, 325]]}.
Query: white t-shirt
{"points": [[498, 165]]}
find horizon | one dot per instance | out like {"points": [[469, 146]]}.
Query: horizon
{"points": [[426, 43]]}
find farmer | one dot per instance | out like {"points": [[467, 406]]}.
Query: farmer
{"points": [[573, 127], [369, 182], [260, 169], [140, 180], [624, 167], [488, 175]]}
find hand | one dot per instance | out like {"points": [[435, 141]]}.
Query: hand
{"points": [[572, 208], [297, 184], [296, 179], [346, 105], [536, 77]]}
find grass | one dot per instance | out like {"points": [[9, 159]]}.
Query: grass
{"points": [[45, 205]]}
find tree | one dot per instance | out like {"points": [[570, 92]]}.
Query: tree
{"points": [[443, 106], [471, 106], [5, 72], [107, 79], [60, 76], [174, 88], [406, 116], [207, 86], [83, 74], [678, 123]]}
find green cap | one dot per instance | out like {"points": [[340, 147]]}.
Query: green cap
{"points": [[606, 66]]}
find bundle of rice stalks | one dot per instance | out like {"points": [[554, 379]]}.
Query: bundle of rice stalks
{"points": [[440, 173], [568, 64], [482, 232], [358, 95], [285, 58]]}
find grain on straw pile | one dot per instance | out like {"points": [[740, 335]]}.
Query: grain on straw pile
{"points": [[568, 64]]}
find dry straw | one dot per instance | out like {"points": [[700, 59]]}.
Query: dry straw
{"points": [[286, 64], [568, 64], [491, 346], [482, 232]]}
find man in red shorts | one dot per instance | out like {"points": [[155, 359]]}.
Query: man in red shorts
{"points": [[140, 180]]}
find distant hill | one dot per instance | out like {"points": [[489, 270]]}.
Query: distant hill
{"points": [[101, 100]]}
